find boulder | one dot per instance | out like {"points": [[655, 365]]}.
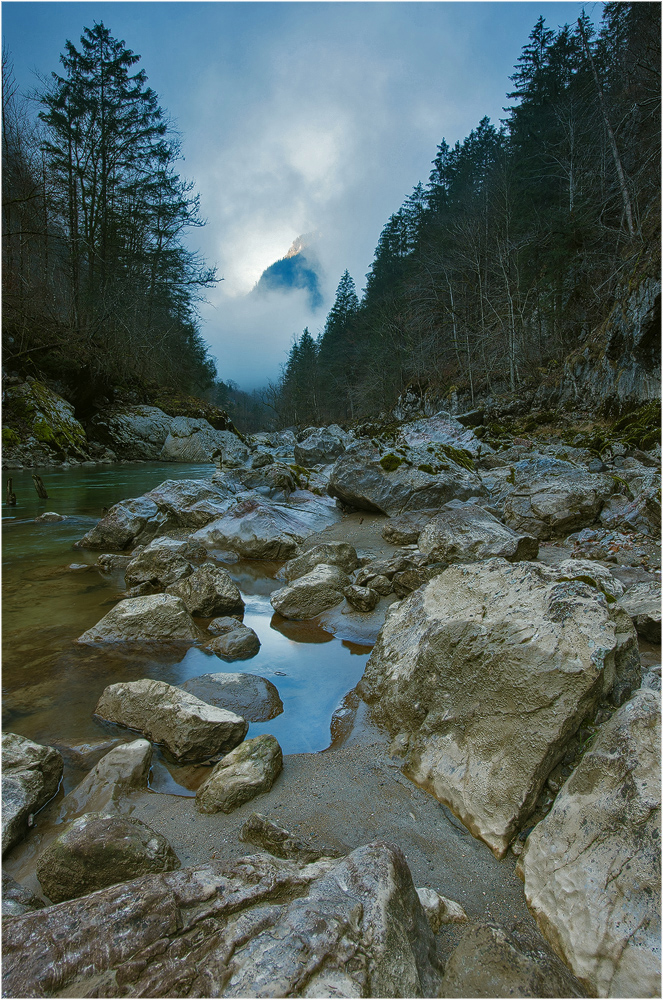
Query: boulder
{"points": [[261, 927], [467, 533], [226, 623], [156, 566], [320, 447], [407, 580], [187, 727], [50, 517], [363, 599], [192, 503], [491, 962], [488, 670], [440, 910], [254, 698], [393, 484], [592, 866], [594, 573], [554, 505], [311, 594], [133, 432], [643, 514], [31, 776], [208, 591], [48, 419], [240, 643], [123, 770], [339, 554], [96, 850], [193, 439], [642, 604], [16, 899], [405, 530], [248, 770], [442, 428], [262, 832], [129, 523], [161, 618], [258, 528]]}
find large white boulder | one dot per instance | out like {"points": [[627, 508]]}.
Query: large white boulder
{"points": [[193, 439], [133, 432], [592, 867], [465, 532]]}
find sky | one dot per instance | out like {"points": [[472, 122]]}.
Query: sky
{"points": [[296, 118]]}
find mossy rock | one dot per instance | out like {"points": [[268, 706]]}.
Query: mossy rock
{"points": [[10, 439], [180, 405], [458, 455], [427, 468], [35, 410], [390, 462]]}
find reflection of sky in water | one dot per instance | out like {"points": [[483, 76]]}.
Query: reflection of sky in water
{"points": [[52, 686]]}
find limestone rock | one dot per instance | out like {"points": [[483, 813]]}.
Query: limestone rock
{"points": [[592, 572], [440, 910], [193, 439], [50, 517], [133, 432], [491, 962], [441, 428], [364, 478], [467, 533], [642, 603], [261, 927], [208, 591], [31, 776], [123, 770], [491, 668], [258, 528], [187, 727], [126, 524], [96, 850], [156, 566], [592, 866], [363, 599], [320, 447], [248, 770], [153, 618], [311, 594], [339, 554], [255, 698], [554, 506], [405, 530], [643, 514], [16, 899], [263, 832], [192, 503], [240, 643]]}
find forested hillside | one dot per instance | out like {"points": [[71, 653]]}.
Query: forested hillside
{"points": [[517, 247], [99, 289]]}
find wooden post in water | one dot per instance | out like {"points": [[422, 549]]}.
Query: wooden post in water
{"points": [[11, 496], [39, 486]]}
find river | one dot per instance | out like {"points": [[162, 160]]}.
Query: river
{"points": [[52, 593]]}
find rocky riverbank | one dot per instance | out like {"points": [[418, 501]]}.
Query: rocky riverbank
{"points": [[501, 747]]}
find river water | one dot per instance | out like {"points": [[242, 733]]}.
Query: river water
{"points": [[52, 593]]}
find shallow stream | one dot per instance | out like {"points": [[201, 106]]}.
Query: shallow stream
{"points": [[52, 594]]}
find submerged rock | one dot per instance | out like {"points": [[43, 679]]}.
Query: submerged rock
{"points": [[263, 926], [187, 727], [311, 594], [154, 618], [490, 669], [248, 770], [592, 867], [254, 698], [31, 776], [97, 850], [239, 643]]}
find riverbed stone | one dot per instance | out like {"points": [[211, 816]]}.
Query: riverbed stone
{"points": [[193, 439], [642, 603], [264, 833], [490, 669], [365, 478], [555, 505], [405, 530], [363, 599], [439, 909], [255, 698], [592, 867], [31, 776], [192, 503], [320, 447], [121, 771], [355, 925], [467, 533], [156, 566], [160, 618], [98, 850], [240, 643], [642, 514], [594, 573], [133, 432], [17, 899], [249, 770], [259, 528], [187, 727], [331, 553], [311, 594], [208, 591], [129, 523]]}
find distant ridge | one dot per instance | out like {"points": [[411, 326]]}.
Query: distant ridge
{"points": [[298, 269]]}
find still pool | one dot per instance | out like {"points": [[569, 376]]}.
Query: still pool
{"points": [[52, 593]]}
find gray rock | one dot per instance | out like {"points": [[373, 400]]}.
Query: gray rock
{"points": [[192, 503], [133, 432], [188, 728], [123, 770], [261, 927], [440, 910], [240, 643], [407, 580], [592, 572], [405, 530], [156, 566], [161, 618], [96, 851], [319, 448], [361, 598], [643, 514], [358, 479], [592, 866], [31, 776], [128, 523], [258, 528], [50, 516], [263, 832], [468, 533], [651, 678], [249, 770], [491, 962], [339, 554], [16, 899], [208, 591], [490, 668], [552, 507], [226, 623], [254, 698], [193, 439], [111, 562], [311, 594], [642, 603], [442, 428]]}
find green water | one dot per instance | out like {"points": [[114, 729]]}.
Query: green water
{"points": [[52, 593]]}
